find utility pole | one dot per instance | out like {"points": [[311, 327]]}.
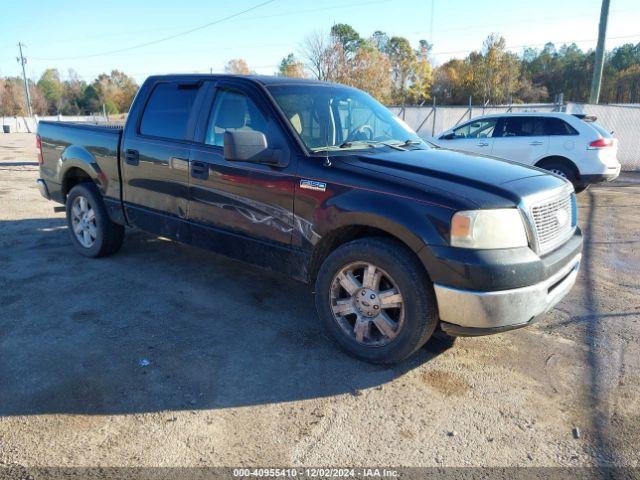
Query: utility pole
{"points": [[599, 62], [22, 61], [433, 14]]}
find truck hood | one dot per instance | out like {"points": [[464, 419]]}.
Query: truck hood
{"points": [[478, 180]]}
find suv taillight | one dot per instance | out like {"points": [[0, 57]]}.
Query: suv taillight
{"points": [[39, 147], [601, 143]]}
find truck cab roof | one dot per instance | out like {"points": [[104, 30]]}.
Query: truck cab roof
{"points": [[266, 80]]}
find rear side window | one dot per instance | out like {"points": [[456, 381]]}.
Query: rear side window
{"points": [[556, 126], [167, 111], [522, 127]]}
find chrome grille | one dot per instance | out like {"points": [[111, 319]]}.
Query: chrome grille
{"points": [[554, 221]]}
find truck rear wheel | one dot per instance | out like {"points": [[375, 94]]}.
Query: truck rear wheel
{"points": [[92, 232], [376, 300]]}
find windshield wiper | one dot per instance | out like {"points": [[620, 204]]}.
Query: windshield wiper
{"points": [[350, 143], [395, 146], [369, 143]]}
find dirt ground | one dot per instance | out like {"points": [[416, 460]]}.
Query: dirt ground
{"points": [[166, 355]]}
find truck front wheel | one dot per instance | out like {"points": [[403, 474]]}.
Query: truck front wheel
{"points": [[376, 300], [92, 232]]}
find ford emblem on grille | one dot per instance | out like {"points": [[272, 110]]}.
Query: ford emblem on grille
{"points": [[561, 217]]}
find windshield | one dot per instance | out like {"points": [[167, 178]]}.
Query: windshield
{"points": [[332, 117]]}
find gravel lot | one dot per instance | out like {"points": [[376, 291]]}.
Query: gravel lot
{"points": [[240, 373]]}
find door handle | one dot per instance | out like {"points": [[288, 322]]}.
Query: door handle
{"points": [[200, 170], [535, 143], [132, 157], [483, 144], [178, 163]]}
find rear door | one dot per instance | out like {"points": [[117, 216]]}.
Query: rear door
{"points": [[240, 208], [522, 139], [155, 158], [474, 136], [562, 138]]}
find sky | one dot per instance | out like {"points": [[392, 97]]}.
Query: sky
{"points": [[81, 35]]}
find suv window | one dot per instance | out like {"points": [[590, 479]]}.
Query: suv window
{"points": [[522, 127], [233, 111], [167, 111], [556, 126], [476, 129]]}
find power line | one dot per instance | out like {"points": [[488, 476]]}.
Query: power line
{"points": [[255, 17], [320, 9], [510, 23], [563, 42], [164, 39]]}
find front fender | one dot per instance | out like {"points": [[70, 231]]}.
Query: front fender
{"points": [[414, 222]]}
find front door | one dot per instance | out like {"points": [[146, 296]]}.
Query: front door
{"points": [[241, 209], [474, 136]]}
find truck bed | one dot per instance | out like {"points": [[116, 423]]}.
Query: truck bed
{"points": [[66, 145]]}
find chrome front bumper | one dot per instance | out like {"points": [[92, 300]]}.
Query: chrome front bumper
{"points": [[470, 312]]}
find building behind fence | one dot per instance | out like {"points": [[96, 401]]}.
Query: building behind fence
{"points": [[430, 121]]}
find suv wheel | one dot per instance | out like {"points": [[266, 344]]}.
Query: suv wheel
{"points": [[376, 300], [92, 232], [565, 172]]}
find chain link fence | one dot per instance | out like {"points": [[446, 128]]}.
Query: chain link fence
{"points": [[624, 121], [429, 121]]}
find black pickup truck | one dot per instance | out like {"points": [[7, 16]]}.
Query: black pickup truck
{"points": [[321, 182]]}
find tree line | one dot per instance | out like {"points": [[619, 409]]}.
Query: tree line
{"points": [[395, 72], [388, 67], [50, 95]]}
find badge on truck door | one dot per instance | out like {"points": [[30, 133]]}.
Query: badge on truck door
{"points": [[313, 185]]}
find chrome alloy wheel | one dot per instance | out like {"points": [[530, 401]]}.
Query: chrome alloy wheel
{"points": [[558, 172], [367, 304], [83, 221]]}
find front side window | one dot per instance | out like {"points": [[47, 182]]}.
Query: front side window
{"points": [[167, 112], [233, 111], [328, 117], [522, 127], [476, 129]]}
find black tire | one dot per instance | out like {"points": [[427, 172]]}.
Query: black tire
{"points": [[420, 313], [109, 235], [565, 171]]}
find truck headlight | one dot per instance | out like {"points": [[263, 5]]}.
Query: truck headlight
{"points": [[499, 228]]}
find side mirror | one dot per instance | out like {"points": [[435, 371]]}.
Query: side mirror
{"points": [[250, 146], [448, 136]]}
